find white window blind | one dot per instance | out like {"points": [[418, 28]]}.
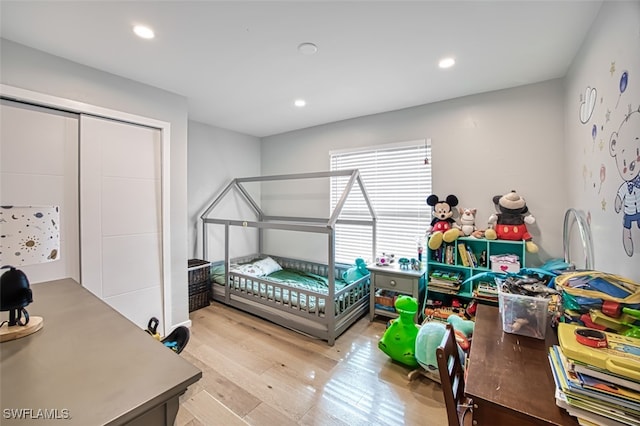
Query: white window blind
{"points": [[398, 180]]}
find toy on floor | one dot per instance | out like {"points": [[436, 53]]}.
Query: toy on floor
{"points": [[443, 227], [152, 328], [430, 335], [510, 222], [427, 340], [399, 340], [176, 340], [463, 330]]}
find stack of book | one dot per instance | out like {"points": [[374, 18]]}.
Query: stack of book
{"points": [[486, 291], [587, 389], [445, 281]]}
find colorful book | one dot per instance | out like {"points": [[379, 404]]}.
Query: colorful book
{"points": [[464, 256], [472, 257], [449, 256], [590, 371], [609, 404]]}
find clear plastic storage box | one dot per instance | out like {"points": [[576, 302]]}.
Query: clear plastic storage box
{"points": [[524, 315]]}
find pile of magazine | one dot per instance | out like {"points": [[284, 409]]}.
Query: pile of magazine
{"points": [[588, 383]]}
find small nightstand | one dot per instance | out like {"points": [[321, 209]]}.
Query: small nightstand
{"points": [[405, 281]]}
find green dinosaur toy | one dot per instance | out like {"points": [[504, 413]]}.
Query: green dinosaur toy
{"points": [[399, 340]]}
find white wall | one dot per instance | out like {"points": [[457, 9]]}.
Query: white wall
{"points": [[611, 48], [215, 157], [483, 145], [30, 69], [39, 167]]}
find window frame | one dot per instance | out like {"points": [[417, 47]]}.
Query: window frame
{"points": [[412, 235]]}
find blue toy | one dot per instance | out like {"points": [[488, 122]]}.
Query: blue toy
{"points": [[461, 325], [428, 339], [431, 334], [399, 340], [356, 272]]}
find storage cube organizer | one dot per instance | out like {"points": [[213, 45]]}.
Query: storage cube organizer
{"points": [[199, 284], [524, 315]]}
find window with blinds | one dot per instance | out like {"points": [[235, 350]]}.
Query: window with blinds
{"points": [[398, 180]]}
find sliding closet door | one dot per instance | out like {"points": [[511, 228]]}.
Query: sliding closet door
{"points": [[120, 217], [39, 167]]}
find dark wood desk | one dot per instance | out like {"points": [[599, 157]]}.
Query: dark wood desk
{"points": [[509, 376], [88, 365]]}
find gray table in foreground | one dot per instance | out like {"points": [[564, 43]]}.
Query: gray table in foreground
{"points": [[88, 365]]}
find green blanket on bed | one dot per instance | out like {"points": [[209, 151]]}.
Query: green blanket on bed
{"points": [[304, 280], [292, 277]]}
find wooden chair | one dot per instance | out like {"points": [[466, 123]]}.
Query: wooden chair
{"points": [[459, 407]]}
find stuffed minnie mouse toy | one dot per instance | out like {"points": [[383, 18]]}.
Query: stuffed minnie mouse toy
{"points": [[443, 227]]}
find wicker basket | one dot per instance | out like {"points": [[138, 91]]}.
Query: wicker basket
{"points": [[198, 300], [199, 284], [386, 297]]}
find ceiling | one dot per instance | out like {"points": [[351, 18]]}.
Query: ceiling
{"points": [[238, 64]]}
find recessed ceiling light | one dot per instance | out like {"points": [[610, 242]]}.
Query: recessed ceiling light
{"points": [[143, 32], [446, 63], [300, 103], [307, 48]]}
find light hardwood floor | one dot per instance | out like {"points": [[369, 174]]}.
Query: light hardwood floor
{"points": [[258, 373]]}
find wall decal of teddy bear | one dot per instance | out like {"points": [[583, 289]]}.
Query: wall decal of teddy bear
{"points": [[443, 227], [624, 147], [510, 222]]}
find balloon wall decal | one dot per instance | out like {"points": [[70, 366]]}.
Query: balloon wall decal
{"points": [[624, 81]]}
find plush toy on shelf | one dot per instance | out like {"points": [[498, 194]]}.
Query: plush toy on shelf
{"points": [[443, 227], [511, 221], [467, 220]]}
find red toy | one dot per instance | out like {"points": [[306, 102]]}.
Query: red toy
{"points": [[510, 222]]}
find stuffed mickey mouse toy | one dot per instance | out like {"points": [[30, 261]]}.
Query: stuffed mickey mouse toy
{"points": [[443, 227], [510, 222]]}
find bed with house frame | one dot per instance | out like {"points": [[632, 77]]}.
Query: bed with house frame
{"points": [[318, 299]]}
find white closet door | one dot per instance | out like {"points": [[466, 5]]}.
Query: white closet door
{"points": [[39, 167], [120, 217]]}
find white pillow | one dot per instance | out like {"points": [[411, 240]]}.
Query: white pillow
{"points": [[267, 265], [249, 269]]}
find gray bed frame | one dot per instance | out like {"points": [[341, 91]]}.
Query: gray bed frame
{"points": [[340, 308]]}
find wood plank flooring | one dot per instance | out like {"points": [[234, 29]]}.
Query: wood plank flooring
{"points": [[258, 373]]}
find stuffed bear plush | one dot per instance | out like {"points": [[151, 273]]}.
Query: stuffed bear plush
{"points": [[443, 227], [510, 223]]}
